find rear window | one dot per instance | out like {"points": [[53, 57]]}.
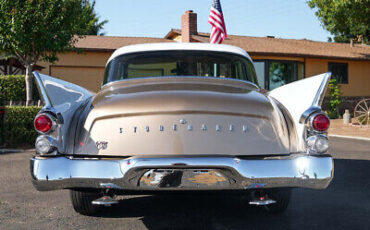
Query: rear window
{"points": [[179, 63]]}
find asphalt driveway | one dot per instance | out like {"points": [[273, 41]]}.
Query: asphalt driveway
{"points": [[344, 205]]}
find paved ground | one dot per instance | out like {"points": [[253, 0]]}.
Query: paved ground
{"points": [[344, 205], [338, 128]]}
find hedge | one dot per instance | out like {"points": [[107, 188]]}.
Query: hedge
{"points": [[17, 128], [13, 87]]}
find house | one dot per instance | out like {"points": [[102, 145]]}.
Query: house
{"points": [[278, 61], [86, 68], [11, 66]]}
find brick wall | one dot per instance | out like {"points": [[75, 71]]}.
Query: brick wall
{"points": [[348, 103], [189, 25]]}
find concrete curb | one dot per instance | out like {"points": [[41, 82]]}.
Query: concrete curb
{"points": [[350, 137], [6, 151]]}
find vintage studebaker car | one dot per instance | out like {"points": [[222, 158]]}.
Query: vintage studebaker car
{"points": [[181, 117]]}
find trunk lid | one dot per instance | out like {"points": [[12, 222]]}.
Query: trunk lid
{"points": [[183, 116]]}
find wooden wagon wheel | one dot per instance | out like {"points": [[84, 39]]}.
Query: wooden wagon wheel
{"points": [[362, 112]]}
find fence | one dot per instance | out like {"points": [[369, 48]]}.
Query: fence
{"points": [[23, 103]]}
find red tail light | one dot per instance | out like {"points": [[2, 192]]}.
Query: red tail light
{"points": [[43, 123], [320, 122]]}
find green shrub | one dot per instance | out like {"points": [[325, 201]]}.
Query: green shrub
{"points": [[13, 87], [2, 114], [335, 99], [18, 126]]}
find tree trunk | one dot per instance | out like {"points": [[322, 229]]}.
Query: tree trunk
{"points": [[29, 81]]}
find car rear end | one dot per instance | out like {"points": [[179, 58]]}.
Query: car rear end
{"points": [[178, 133]]}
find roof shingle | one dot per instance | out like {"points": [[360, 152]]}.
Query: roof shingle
{"points": [[291, 47], [253, 45], [110, 43]]}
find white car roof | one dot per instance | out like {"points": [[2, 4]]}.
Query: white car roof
{"points": [[178, 46]]}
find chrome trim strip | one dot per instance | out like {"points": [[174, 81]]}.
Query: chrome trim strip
{"points": [[42, 90], [108, 84], [306, 114], [321, 92], [296, 170], [316, 104]]}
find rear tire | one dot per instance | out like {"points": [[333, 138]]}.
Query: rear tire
{"points": [[282, 198], [81, 201]]}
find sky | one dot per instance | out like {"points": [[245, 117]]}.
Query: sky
{"points": [[155, 18]]}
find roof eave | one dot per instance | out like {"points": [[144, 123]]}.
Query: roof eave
{"points": [[94, 49], [252, 53], [171, 34]]}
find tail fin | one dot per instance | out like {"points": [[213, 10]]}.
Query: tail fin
{"points": [[56, 92], [302, 95], [62, 99]]}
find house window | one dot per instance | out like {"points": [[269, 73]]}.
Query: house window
{"points": [[260, 71], [272, 74], [281, 73], [339, 71]]}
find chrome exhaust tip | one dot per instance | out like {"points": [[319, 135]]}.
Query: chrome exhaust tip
{"points": [[261, 202], [106, 201]]}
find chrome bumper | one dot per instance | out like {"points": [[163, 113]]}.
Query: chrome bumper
{"points": [[191, 173]]}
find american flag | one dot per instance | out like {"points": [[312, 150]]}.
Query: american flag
{"points": [[216, 19]]}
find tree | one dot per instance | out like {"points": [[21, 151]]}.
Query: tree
{"points": [[344, 19], [90, 25], [34, 30]]}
